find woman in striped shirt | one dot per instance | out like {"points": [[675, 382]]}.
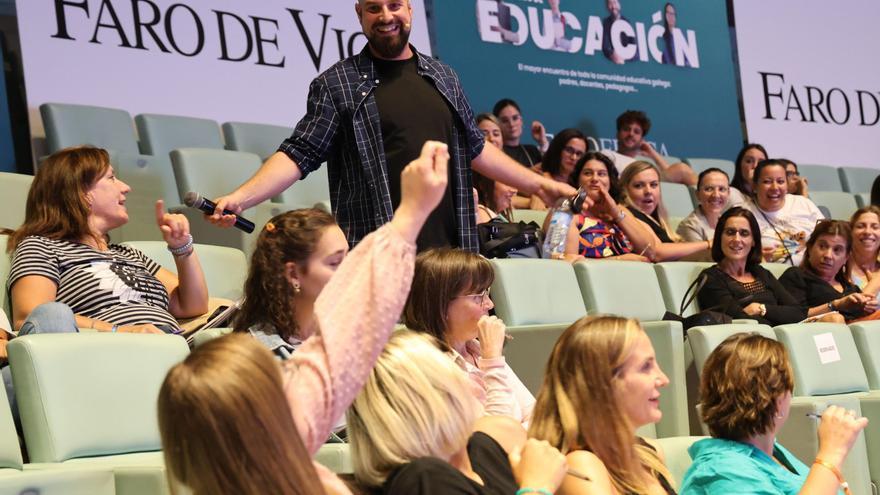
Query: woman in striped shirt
{"points": [[63, 254]]}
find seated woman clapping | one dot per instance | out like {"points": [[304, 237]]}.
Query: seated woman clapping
{"points": [[737, 284], [746, 397], [450, 301], [602, 383], [822, 284], [295, 255], [413, 430], [63, 254], [215, 436]]}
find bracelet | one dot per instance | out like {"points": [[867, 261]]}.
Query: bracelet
{"points": [[837, 473], [831, 306], [542, 491], [184, 250], [621, 215], [114, 328]]}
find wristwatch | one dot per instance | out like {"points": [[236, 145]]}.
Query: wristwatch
{"points": [[763, 309]]}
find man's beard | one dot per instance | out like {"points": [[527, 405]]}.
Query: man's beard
{"points": [[390, 46]]}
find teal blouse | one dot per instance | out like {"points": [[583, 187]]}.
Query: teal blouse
{"points": [[726, 466]]}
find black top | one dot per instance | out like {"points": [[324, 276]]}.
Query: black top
{"points": [[432, 476], [404, 99], [655, 226], [526, 154], [724, 293], [810, 290]]}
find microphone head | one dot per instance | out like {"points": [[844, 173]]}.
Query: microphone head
{"points": [[192, 199]]}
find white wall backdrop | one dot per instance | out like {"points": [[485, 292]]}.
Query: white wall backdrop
{"points": [[220, 59], [810, 79]]}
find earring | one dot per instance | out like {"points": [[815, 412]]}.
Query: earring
{"points": [[296, 289]]}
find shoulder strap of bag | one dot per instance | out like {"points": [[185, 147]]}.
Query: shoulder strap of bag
{"points": [[692, 292]]}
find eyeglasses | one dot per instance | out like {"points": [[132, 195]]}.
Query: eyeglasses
{"points": [[792, 174], [481, 298], [573, 152]]}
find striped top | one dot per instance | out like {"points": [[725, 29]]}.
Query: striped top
{"points": [[118, 286]]}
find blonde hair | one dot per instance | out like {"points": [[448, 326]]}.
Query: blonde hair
{"points": [[577, 407], [659, 213], [415, 404], [226, 425]]}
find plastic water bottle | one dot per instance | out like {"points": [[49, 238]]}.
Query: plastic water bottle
{"points": [[560, 221]]}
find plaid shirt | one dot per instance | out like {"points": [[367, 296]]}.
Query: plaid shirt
{"points": [[342, 126]]}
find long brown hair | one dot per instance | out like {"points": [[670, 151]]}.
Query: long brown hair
{"points": [[226, 424], [56, 205], [289, 237], [577, 407]]}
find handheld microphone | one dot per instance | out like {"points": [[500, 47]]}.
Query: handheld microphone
{"points": [[195, 200]]}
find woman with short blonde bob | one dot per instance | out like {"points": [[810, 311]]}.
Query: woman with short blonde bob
{"points": [[602, 383], [746, 396], [413, 431]]}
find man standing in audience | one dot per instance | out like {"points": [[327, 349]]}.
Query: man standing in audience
{"points": [[368, 116], [632, 127]]}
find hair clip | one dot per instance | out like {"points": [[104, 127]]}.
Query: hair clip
{"points": [[270, 227]]}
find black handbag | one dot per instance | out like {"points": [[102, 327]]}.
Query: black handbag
{"points": [[500, 239], [702, 318]]}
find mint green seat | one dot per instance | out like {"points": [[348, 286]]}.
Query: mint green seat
{"points": [[213, 173], [677, 199], [313, 191], [866, 335], [777, 269], [631, 289], [840, 380], [675, 278], [701, 164], [537, 216], [841, 205], [857, 179], [336, 457], [73, 125], [260, 139], [677, 458], [89, 401], [225, 268], [862, 199], [162, 133], [14, 190], [537, 299], [670, 160], [5, 266], [208, 334], [704, 339], [821, 177]]}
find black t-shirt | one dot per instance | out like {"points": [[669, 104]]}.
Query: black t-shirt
{"points": [[412, 111], [432, 476], [526, 154]]}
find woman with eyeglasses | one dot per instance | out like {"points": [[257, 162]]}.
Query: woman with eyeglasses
{"points": [[737, 284], [713, 191], [786, 220], [821, 282], [450, 300], [796, 184], [565, 150]]}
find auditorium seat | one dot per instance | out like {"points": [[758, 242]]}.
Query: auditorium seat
{"points": [[537, 299], [213, 173], [73, 125], [537, 216], [209, 334], [260, 139], [162, 133], [225, 268], [631, 289], [5, 266], [677, 199], [670, 160], [827, 368], [704, 339], [336, 457], [821, 177], [857, 179], [675, 278], [310, 192], [866, 335], [776, 269], [676, 456], [14, 190], [700, 164], [863, 199], [89, 401], [841, 205]]}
